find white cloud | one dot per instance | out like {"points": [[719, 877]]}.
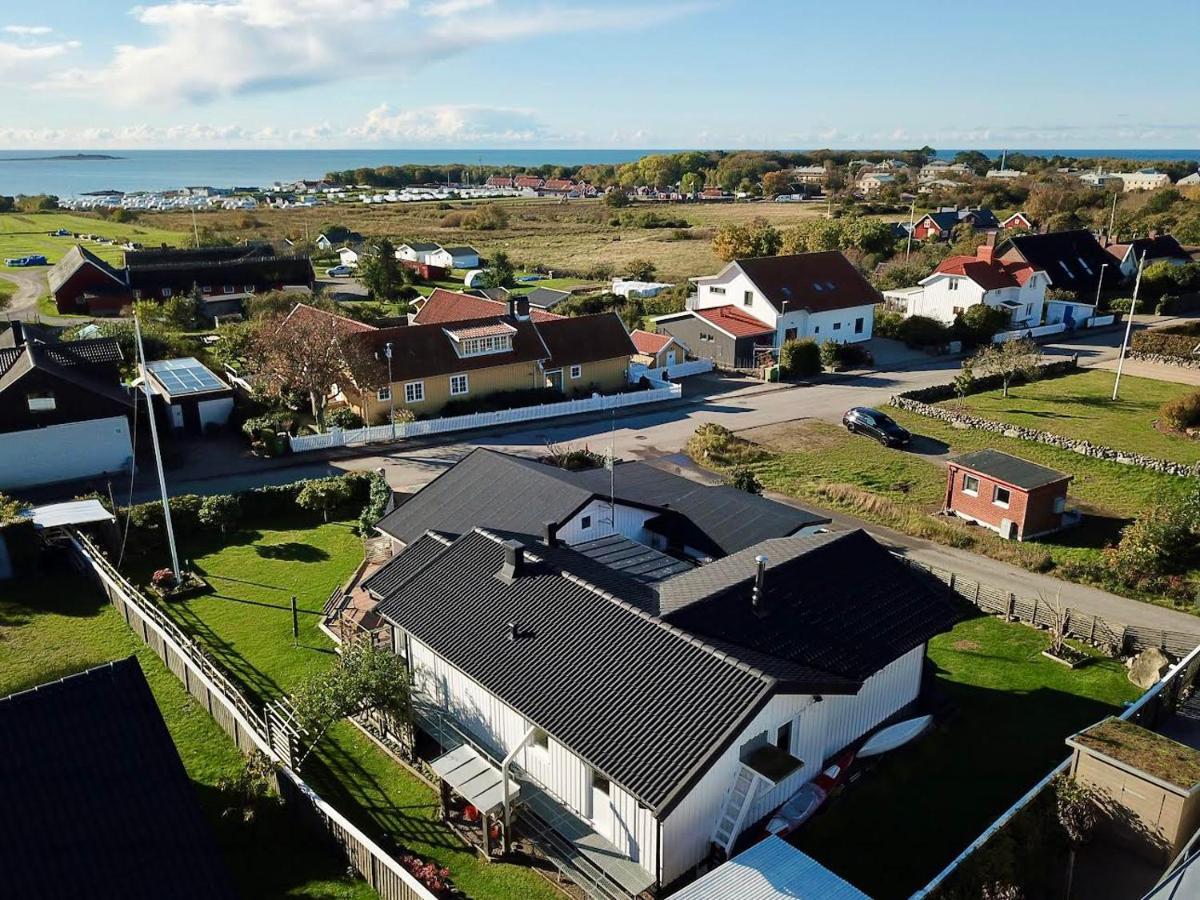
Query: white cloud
{"points": [[457, 126], [204, 50], [25, 58], [28, 30]]}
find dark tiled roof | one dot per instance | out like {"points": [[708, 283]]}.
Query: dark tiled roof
{"points": [[422, 351], [1009, 469], [1162, 246], [813, 281], [546, 298], [405, 564], [424, 246], [584, 339], [262, 271], [1072, 259], [461, 251], [639, 701], [91, 352], [836, 602], [637, 561], [96, 801], [90, 378]]}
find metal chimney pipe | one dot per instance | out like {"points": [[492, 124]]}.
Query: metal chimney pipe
{"points": [[758, 599]]}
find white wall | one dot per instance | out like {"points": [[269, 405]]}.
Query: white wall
{"points": [[218, 411], [735, 283], [942, 295], [494, 724], [838, 324], [65, 452], [819, 730], [605, 520]]}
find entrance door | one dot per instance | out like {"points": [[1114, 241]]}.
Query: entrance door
{"points": [[191, 417], [602, 811], [554, 379], [670, 357]]}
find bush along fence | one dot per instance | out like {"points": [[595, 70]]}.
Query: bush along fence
{"points": [[267, 730], [339, 437], [1166, 346], [1155, 706], [920, 402], [1114, 638]]}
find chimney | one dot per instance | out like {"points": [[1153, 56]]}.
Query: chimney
{"points": [[18, 332], [513, 631], [550, 534], [514, 562], [987, 250], [758, 599], [518, 308]]}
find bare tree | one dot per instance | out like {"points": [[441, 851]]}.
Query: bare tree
{"points": [[1007, 360], [1078, 814]]}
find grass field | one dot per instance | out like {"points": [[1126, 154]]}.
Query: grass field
{"points": [[246, 624], [22, 234], [58, 625], [1081, 406], [1009, 710], [575, 236], [7, 289]]}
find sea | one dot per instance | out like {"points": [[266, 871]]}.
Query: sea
{"points": [[38, 172]]}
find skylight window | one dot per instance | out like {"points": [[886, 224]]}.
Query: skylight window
{"points": [[817, 286], [829, 286], [1083, 262]]}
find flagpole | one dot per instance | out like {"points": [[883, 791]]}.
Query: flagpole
{"points": [[162, 478], [1129, 325]]}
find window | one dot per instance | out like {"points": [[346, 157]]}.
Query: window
{"points": [[459, 385], [817, 329], [414, 392], [599, 782], [585, 522], [837, 326], [958, 310], [789, 334], [576, 371], [249, 288], [859, 325], [747, 298], [952, 284], [1060, 504], [383, 394], [817, 286], [783, 737], [207, 289], [227, 289], [716, 290], [137, 295], [40, 401], [539, 739], [166, 292], [1000, 496], [500, 343], [970, 485]]}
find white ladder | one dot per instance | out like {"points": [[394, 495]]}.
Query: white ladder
{"points": [[735, 808]]}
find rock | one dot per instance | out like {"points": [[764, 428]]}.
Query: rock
{"points": [[1148, 667]]}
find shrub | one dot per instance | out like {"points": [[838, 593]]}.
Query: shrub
{"points": [[403, 416], [1120, 305], [829, 354], [344, 417], [979, 323], [378, 496], [718, 446], [1159, 543], [838, 355], [887, 322], [922, 331], [1182, 412], [800, 357], [323, 495], [1180, 346], [501, 400], [220, 511], [745, 480]]}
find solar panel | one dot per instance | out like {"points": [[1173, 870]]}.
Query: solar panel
{"points": [[185, 376]]}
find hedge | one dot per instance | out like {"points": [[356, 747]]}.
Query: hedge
{"points": [[1162, 343], [938, 392]]}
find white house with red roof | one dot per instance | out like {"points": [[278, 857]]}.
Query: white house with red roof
{"points": [[961, 282]]}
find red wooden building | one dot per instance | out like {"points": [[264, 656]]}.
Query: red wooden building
{"points": [[1007, 494]]}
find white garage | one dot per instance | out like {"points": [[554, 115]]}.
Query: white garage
{"points": [[68, 452]]}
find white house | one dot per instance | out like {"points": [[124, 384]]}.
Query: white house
{"points": [[1008, 174], [1155, 248], [323, 243], [454, 257], [1144, 180], [961, 282], [348, 256], [872, 182], [1189, 180], [643, 708], [418, 252], [805, 295]]}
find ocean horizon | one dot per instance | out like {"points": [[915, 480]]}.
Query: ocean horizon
{"points": [[24, 171]]}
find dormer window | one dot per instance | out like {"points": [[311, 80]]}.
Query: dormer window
{"points": [[483, 339], [40, 401], [493, 344]]}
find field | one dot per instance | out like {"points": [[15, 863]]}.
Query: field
{"points": [[23, 234], [1081, 406], [574, 236], [1008, 710], [246, 624], [58, 625]]}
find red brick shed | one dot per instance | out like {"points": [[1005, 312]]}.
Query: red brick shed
{"points": [[1007, 494]]}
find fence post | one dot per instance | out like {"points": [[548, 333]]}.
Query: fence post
{"points": [[1092, 636], [1033, 619], [951, 581], [1010, 613]]}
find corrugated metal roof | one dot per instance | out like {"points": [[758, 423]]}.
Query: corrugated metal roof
{"points": [[771, 870], [72, 512], [636, 560]]}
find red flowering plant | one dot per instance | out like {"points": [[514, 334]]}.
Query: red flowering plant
{"points": [[436, 878], [163, 578]]}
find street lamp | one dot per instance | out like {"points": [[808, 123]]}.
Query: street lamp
{"points": [[387, 351]]}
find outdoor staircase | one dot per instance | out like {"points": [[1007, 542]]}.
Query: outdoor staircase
{"points": [[736, 806]]}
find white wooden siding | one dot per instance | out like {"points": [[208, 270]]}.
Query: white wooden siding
{"points": [[629, 521], [65, 452], [819, 730], [497, 726]]}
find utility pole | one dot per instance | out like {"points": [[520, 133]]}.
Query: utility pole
{"points": [[1129, 325], [1100, 284], [162, 478], [912, 213], [1112, 218], [387, 351]]}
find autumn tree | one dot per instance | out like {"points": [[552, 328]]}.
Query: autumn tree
{"points": [[775, 183], [1007, 360], [500, 272], [640, 270], [379, 270], [756, 238]]}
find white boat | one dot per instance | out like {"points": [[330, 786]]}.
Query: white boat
{"points": [[895, 736]]}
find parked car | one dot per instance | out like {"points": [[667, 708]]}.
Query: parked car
{"points": [[864, 420], [339, 272]]}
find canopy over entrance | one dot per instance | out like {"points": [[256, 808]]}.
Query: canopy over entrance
{"points": [[473, 778]]}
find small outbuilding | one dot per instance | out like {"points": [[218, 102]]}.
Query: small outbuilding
{"points": [[656, 350], [1010, 495], [192, 396]]}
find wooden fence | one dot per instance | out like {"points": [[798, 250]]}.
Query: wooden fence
{"points": [[269, 730], [1122, 639]]}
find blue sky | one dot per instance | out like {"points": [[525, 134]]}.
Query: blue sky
{"points": [[597, 73]]}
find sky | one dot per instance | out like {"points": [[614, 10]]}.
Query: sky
{"points": [[724, 74]]}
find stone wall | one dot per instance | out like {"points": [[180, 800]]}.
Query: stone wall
{"points": [[1192, 363], [939, 392]]}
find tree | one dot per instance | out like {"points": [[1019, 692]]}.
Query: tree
{"points": [[499, 272], [977, 162], [692, 182], [964, 381], [379, 270], [640, 270], [220, 511], [775, 183], [980, 322], [800, 357], [366, 678], [744, 479], [7, 204], [813, 235], [756, 238], [488, 217], [616, 199], [10, 509], [270, 303], [1008, 360], [181, 312], [324, 494], [308, 351], [1078, 814]]}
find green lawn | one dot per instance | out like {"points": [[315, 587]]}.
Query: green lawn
{"points": [[246, 624], [23, 234], [56, 625], [1080, 406], [1008, 712]]}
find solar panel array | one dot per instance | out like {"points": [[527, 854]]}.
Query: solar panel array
{"points": [[185, 376]]}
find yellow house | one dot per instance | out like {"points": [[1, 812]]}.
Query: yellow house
{"points": [[423, 367]]}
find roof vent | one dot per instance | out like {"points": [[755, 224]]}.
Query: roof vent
{"points": [[758, 598], [514, 562], [513, 631], [550, 534]]}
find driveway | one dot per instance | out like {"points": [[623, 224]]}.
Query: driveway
{"points": [[31, 284]]}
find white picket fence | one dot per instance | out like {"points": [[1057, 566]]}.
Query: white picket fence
{"points": [[678, 370], [342, 437], [1044, 330]]}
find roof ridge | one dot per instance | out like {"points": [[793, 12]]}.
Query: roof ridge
{"points": [[628, 607]]}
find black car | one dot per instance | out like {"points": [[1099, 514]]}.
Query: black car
{"points": [[864, 420]]}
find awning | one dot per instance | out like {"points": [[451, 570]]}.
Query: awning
{"points": [[73, 512], [473, 778]]}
